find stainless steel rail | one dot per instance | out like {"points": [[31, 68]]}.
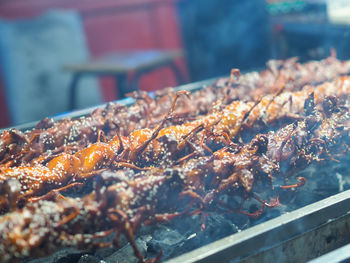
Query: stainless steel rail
{"points": [[339, 255], [297, 236]]}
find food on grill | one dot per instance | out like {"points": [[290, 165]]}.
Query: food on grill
{"points": [[193, 156], [164, 146], [252, 85], [50, 137], [137, 197]]}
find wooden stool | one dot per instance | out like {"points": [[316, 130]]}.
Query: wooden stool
{"points": [[120, 64]]}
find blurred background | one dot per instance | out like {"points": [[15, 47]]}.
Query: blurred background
{"points": [[61, 55]]}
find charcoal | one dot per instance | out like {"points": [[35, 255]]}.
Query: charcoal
{"points": [[190, 235], [65, 255], [268, 215], [213, 232], [346, 183], [105, 252], [167, 239], [86, 258], [126, 253]]}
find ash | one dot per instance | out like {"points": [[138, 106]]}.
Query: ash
{"points": [[185, 234]]}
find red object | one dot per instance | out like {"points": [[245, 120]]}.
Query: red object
{"points": [[113, 25], [278, 27]]}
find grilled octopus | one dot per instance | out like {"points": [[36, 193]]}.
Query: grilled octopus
{"points": [[163, 146], [123, 205], [52, 137]]}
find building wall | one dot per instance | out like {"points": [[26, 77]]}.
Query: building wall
{"points": [[112, 25]]}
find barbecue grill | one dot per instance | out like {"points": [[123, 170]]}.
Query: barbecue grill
{"points": [[314, 222]]}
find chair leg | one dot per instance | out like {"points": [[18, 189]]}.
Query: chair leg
{"points": [[134, 85], [73, 91], [177, 72], [121, 85]]}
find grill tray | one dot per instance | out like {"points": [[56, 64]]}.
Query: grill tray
{"points": [[298, 236]]}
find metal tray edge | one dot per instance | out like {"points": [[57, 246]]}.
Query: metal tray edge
{"points": [[271, 232]]}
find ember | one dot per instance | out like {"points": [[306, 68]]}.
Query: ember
{"points": [[175, 178]]}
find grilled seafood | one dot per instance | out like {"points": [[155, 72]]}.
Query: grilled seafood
{"points": [[196, 185], [260, 131], [52, 137], [252, 85], [163, 146], [227, 123]]}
